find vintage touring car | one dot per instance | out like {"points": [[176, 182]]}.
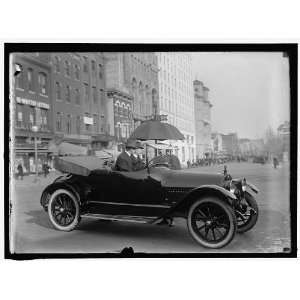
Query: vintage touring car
{"points": [[214, 205]]}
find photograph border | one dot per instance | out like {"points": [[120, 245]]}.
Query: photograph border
{"points": [[289, 49]]}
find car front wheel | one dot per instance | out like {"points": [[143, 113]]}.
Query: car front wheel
{"points": [[63, 210], [211, 222]]}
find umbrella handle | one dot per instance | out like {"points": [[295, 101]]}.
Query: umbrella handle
{"points": [[147, 161]]}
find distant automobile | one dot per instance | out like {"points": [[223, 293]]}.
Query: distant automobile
{"points": [[214, 205], [259, 160]]}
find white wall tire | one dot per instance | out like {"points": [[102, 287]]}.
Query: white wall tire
{"points": [[211, 222], [63, 210]]}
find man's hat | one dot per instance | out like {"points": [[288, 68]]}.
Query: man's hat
{"points": [[139, 145], [130, 144]]}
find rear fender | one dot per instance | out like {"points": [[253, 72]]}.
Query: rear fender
{"points": [[194, 194], [59, 185]]}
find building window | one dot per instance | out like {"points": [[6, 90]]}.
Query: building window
{"points": [[96, 123], [78, 124], [20, 80], [58, 91], [67, 68], [87, 126], [56, 64], [43, 83], [44, 117], [69, 124], [93, 66], [94, 94], [19, 116], [58, 121], [85, 64], [86, 92], [68, 94], [100, 71], [77, 70], [30, 79], [77, 96], [31, 116]]}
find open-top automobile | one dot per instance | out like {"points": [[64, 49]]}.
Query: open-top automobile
{"points": [[214, 205]]}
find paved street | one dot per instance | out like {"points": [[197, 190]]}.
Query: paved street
{"points": [[34, 233]]}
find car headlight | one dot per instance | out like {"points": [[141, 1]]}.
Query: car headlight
{"points": [[232, 188], [244, 185]]}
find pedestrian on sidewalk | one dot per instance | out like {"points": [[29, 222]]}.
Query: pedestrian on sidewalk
{"points": [[20, 171], [45, 169]]}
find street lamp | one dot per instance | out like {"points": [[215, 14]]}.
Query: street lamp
{"points": [[35, 129]]}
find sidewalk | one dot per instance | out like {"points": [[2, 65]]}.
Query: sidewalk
{"points": [[29, 180]]}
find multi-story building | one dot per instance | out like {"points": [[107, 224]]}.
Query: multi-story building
{"points": [[132, 89], [226, 144], [31, 109], [79, 99], [202, 120], [176, 99], [284, 134]]}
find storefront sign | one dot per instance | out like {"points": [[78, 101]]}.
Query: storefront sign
{"points": [[32, 103], [88, 120]]}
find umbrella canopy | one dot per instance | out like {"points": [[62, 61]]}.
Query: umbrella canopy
{"points": [[156, 130]]}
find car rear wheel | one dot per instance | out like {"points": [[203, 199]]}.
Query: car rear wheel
{"points": [[63, 210], [248, 215], [211, 222]]}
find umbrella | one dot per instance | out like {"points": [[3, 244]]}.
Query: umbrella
{"points": [[156, 130]]}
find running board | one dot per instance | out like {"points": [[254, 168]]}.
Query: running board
{"points": [[134, 219]]}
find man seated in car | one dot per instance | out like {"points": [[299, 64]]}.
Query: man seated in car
{"points": [[137, 161], [124, 161]]}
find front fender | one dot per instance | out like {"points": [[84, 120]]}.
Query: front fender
{"points": [[187, 200], [252, 187]]}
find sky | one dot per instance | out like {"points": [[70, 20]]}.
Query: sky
{"points": [[249, 91]]}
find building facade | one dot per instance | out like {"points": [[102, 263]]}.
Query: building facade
{"points": [[132, 90], [227, 144], [176, 99], [79, 99], [284, 134], [31, 106], [202, 120], [141, 80]]}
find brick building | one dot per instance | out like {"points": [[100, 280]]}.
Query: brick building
{"points": [[202, 119], [79, 100], [31, 106]]}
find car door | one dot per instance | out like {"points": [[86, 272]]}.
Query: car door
{"points": [[130, 193]]}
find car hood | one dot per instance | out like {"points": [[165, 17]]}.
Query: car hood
{"points": [[190, 179]]}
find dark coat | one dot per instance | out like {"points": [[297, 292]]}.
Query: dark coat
{"points": [[124, 163], [20, 169], [137, 163]]}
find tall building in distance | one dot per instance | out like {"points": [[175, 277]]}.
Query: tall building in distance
{"points": [[176, 99], [202, 119]]}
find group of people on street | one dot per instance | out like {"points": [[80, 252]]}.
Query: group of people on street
{"points": [[20, 170]]}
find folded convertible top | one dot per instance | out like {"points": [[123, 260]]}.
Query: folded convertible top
{"points": [[79, 165]]}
